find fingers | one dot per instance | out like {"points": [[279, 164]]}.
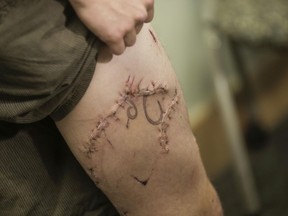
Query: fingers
{"points": [[150, 15], [144, 16], [150, 10], [130, 38], [119, 46], [130, 25], [138, 27]]}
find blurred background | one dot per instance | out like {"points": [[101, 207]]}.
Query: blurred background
{"points": [[231, 58]]}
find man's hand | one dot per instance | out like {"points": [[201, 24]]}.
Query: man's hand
{"points": [[115, 22]]}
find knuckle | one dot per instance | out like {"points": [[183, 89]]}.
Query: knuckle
{"points": [[129, 26], [142, 15], [114, 36], [125, 27]]}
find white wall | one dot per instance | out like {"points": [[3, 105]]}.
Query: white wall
{"points": [[178, 24]]}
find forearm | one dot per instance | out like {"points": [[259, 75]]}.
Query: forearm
{"points": [[131, 134]]}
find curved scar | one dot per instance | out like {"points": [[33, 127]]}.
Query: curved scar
{"points": [[151, 121], [132, 106]]}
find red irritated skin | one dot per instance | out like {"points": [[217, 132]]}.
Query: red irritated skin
{"points": [[131, 134], [115, 22]]}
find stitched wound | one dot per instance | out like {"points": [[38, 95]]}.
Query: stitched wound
{"points": [[131, 92]]}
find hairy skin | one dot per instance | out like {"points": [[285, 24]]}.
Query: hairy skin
{"points": [[131, 134]]}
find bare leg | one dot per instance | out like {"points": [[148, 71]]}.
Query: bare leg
{"points": [[130, 132]]}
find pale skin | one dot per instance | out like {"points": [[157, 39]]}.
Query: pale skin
{"points": [[130, 131], [115, 22], [131, 134]]}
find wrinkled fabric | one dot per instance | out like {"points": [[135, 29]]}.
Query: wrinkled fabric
{"points": [[40, 177], [47, 59]]}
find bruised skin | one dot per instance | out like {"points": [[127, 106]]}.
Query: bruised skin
{"points": [[131, 134]]}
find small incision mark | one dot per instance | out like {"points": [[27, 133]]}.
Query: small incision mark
{"points": [[153, 36], [142, 182]]}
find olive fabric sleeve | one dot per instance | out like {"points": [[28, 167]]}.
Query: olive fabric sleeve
{"points": [[47, 59], [39, 176]]}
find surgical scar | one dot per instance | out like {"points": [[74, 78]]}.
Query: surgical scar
{"points": [[126, 101], [157, 122], [132, 112]]}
